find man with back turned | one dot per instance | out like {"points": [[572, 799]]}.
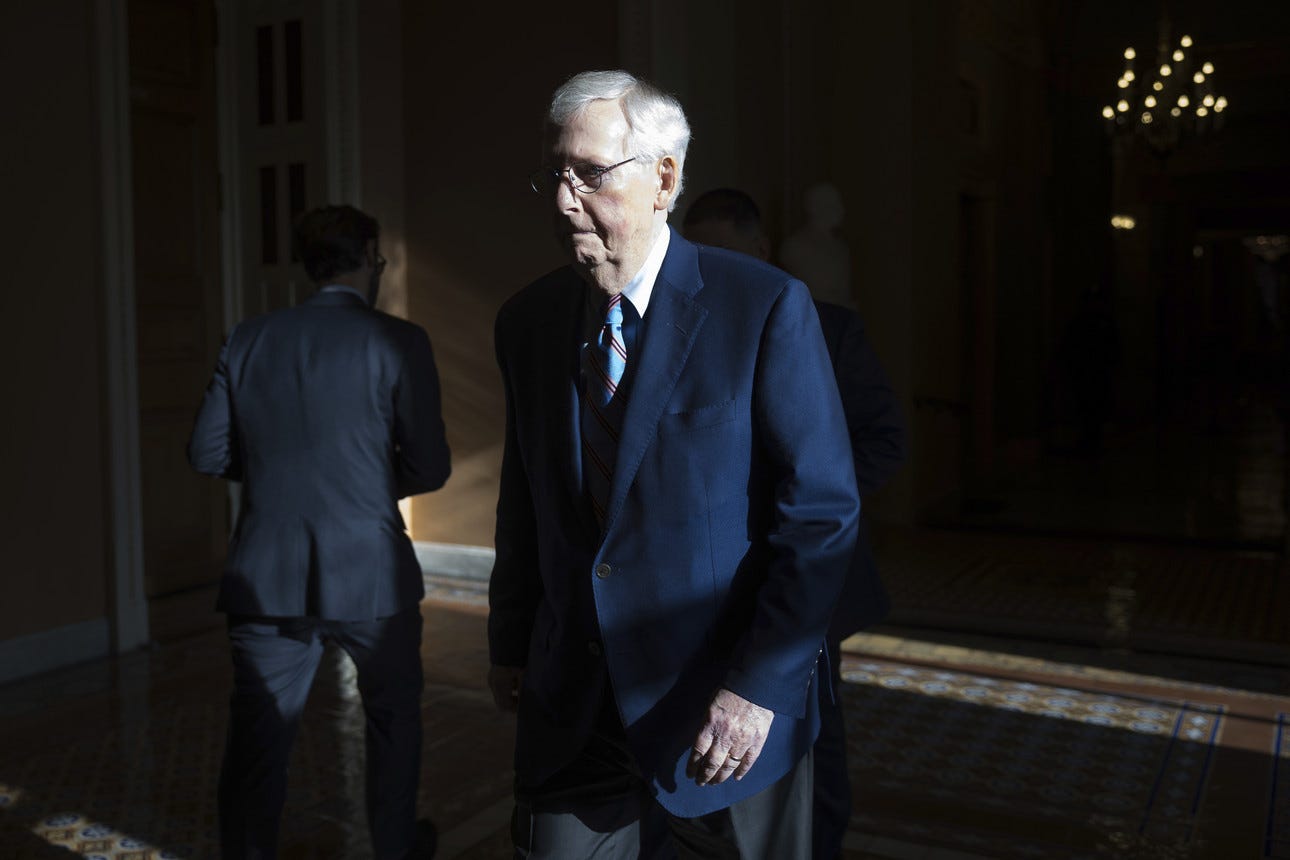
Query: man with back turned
{"points": [[328, 413]]}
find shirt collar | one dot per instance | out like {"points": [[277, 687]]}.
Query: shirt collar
{"points": [[342, 288], [641, 287]]}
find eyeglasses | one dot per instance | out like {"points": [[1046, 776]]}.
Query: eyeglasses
{"points": [[585, 177]]}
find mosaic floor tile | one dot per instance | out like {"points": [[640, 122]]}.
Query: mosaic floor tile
{"points": [[992, 757], [1000, 766]]}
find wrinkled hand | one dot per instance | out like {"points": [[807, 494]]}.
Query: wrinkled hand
{"points": [[504, 681], [730, 740]]}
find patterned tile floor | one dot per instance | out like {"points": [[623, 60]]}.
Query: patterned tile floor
{"points": [[1034, 761], [961, 746]]}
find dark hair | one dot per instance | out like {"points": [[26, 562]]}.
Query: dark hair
{"points": [[332, 240], [724, 204]]}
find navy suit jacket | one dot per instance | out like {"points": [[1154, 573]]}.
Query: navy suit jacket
{"points": [[878, 446], [329, 413], [730, 523]]}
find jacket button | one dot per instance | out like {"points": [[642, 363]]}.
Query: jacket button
{"points": [[603, 570], [594, 649]]}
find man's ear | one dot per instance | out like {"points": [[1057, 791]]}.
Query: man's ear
{"points": [[669, 174]]}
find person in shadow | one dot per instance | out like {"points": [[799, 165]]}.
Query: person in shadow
{"points": [[673, 526], [328, 413], [728, 218]]}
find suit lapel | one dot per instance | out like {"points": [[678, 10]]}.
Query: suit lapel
{"points": [[673, 320], [565, 325]]}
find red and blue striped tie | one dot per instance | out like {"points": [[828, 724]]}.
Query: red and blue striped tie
{"points": [[603, 403]]}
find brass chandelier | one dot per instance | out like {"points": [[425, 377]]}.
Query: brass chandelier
{"points": [[1169, 100]]}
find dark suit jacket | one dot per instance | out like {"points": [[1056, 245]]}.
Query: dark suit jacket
{"points": [[878, 446], [730, 524], [328, 413]]}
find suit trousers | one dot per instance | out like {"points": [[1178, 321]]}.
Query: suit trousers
{"points": [[600, 806], [274, 662], [832, 803]]}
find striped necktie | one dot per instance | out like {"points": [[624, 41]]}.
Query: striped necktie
{"points": [[604, 361]]}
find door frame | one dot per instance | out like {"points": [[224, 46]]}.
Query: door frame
{"points": [[129, 611]]}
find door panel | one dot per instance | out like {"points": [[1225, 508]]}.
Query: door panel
{"points": [[282, 143]]}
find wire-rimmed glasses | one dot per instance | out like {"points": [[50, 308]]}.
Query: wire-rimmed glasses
{"points": [[584, 177]]}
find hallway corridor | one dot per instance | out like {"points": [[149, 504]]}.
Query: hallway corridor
{"points": [[1068, 739]]}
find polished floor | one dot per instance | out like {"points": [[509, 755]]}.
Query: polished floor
{"points": [[962, 745], [1214, 474], [1118, 687]]}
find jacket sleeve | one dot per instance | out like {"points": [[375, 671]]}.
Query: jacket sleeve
{"points": [[813, 529], [422, 459], [213, 446], [515, 587], [874, 421]]}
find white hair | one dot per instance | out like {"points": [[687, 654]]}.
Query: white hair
{"points": [[656, 124]]}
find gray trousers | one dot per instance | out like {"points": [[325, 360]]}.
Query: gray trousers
{"points": [[599, 806], [274, 661]]}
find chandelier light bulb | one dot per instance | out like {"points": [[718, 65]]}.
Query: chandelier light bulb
{"points": [[1179, 100]]}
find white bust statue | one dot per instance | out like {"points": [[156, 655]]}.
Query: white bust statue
{"points": [[816, 256]]}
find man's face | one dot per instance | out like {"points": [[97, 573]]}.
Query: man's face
{"points": [[607, 234]]}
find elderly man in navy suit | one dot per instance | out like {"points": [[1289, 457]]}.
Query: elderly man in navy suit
{"points": [[677, 512], [728, 218], [328, 413]]}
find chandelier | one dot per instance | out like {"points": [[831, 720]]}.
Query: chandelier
{"points": [[1168, 100]]}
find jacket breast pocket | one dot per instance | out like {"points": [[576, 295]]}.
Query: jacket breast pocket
{"points": [[689, 420], [701, 459]]}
